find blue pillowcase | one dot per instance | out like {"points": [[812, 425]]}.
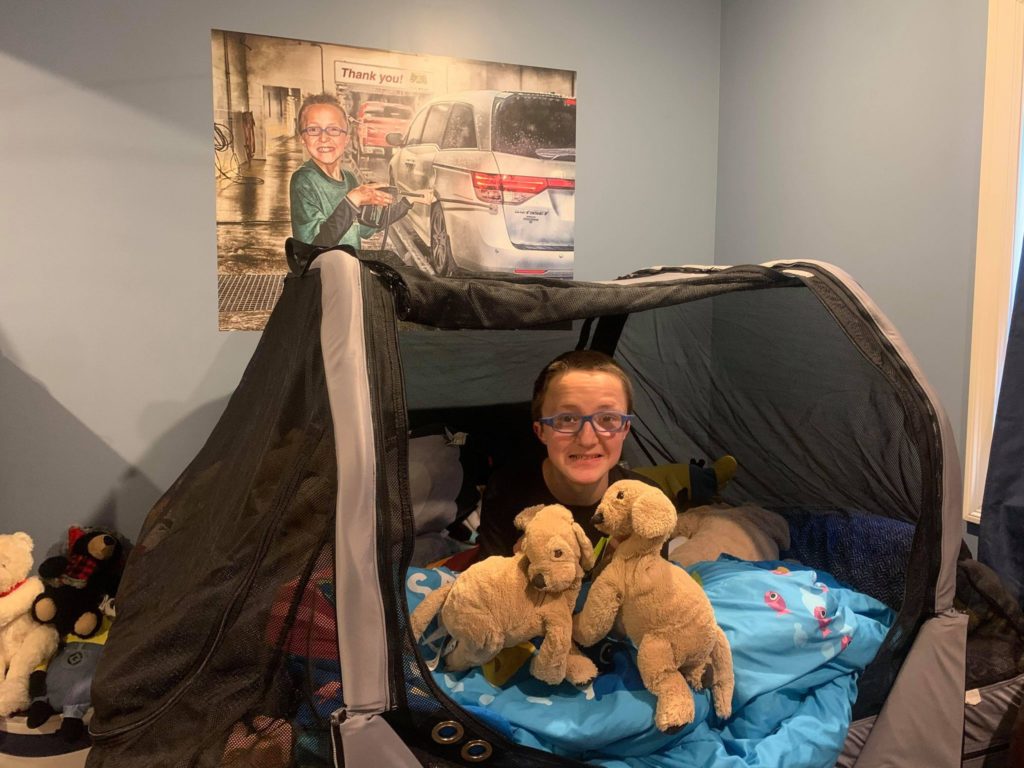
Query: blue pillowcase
{"points": [[867, 552]]}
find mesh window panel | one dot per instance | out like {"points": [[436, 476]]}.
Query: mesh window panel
{"points": [[224, 651], [771, 379]]}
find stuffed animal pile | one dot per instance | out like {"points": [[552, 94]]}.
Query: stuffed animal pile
{"points": [[24, 643], [501, 602], [663, 611]]}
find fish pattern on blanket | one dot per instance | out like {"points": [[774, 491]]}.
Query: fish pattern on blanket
{"points": [[799, 640]]}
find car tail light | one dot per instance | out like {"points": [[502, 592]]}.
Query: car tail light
{"points": [[500, 188]]}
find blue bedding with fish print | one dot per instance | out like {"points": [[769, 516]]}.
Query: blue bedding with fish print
{"points": [[799, 640]]}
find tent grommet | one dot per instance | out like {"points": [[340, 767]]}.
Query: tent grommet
{"points": [[476, 751], [447, 732]]}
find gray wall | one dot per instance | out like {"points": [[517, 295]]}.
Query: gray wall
{"points": [[112, 371], [850, 132]]}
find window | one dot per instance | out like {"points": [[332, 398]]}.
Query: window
{"points": [[416, 129], [436, 121], [536, 126], [999, 238], [460, 133]]}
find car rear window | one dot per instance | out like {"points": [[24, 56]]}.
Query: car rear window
{"points": [[536, 126]]}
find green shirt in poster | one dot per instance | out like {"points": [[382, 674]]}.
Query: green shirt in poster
{"points": [[315, 198]]}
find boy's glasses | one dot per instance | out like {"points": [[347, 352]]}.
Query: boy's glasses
{"points": [[603, 422], [331, 130]]}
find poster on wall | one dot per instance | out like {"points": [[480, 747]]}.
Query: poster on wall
{"points": [[453, 165]]}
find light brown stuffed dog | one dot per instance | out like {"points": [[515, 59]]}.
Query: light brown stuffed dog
{"points": [[502, 601], [747, 532], [663, 611]]}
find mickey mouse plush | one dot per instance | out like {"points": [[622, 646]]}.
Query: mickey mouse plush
{"points": [[76, 584]]}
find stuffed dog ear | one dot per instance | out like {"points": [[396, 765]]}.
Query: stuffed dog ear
{"points": [[586, 548], [653, 515], [523, 518]]}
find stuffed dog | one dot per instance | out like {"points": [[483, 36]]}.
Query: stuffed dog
{"points": [[503, 601], [747, 532], [662, 610]]}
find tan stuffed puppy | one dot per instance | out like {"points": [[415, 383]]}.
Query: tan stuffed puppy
{"points": [[503, 601], [662, 610], [746, 532]]}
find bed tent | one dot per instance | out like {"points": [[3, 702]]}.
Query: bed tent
{"points": [[296, 514]]}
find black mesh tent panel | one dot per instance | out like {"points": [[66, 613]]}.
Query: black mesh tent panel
{"points": [[217, 653], [770, 378]]}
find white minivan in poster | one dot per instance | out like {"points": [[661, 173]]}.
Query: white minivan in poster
{"points": [[503, 165]]}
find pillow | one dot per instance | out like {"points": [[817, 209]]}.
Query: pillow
{"points": [[444, 472], [867, 552], [435, 479]]}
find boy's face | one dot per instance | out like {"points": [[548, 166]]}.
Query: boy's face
{"points": [[326, 150], [584, 459]]}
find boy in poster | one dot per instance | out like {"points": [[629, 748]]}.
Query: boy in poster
{"points": [[325, 198]]}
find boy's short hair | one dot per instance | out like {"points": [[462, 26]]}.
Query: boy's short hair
{"points": [[578, 360], [319, 98]]}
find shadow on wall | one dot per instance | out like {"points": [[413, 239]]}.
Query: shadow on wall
{"points": [[150, 70], [55, 472]]}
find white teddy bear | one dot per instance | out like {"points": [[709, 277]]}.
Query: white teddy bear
{"points": [[24, 642]]}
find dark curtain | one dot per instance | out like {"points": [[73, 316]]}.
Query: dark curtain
{"points": [[1001, 539]]}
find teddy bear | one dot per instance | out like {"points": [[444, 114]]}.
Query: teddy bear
{"points": [[77, 584], [746, 532], [500, 602], [24, 644], [661, 608]]}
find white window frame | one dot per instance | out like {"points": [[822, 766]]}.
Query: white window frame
{"points": [[999, 238]]}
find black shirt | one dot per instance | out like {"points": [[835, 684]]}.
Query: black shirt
{"points": [[517, 486]]}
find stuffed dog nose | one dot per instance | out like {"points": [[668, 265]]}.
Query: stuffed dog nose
{"points": [[538, 581], [598, 518]]}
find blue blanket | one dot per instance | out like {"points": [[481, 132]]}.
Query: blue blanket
{"points": [[799, 639]]}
